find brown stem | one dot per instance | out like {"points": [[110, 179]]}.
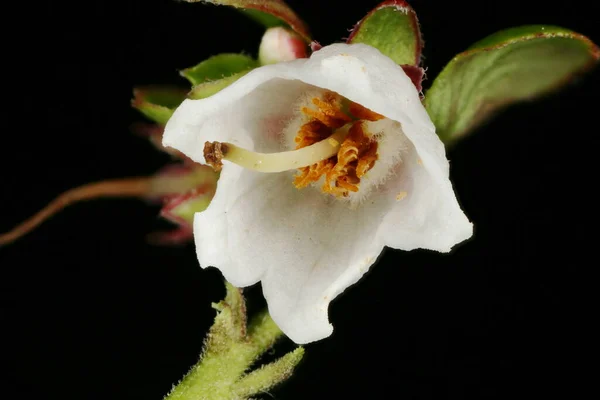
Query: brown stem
{"points": [[127, 187]]}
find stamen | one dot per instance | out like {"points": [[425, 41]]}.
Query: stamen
{"points": [[357, 153], [312, 132], [356, 157], [328, 111], [361, 112], [275, 162]]}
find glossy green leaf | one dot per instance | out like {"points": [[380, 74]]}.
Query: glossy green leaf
{"points": [[157, 102], [218, 67], [209, 88], [507, 67], [392, 28], [267, 12]]}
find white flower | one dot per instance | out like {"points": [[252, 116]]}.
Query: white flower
{"points": [[308, 233]]}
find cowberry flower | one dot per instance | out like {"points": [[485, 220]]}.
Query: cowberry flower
{"points": [[324, 161]]}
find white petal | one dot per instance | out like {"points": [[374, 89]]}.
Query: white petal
{"points": [[305, 247], [422, 209], [251, 113]]}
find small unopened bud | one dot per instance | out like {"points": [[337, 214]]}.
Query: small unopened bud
{"points": [[280, 44]]}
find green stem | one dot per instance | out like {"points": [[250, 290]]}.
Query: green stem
{"points": [[225, 360]]}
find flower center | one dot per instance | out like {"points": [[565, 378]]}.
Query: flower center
{"points": [[357, 153], [332, 145]]}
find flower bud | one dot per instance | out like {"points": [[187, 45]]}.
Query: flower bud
{"points": [[280, 44]]}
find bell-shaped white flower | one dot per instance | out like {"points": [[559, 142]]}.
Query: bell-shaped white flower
{"points": [[325, 161]]}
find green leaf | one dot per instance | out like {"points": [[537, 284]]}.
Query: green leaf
{"points": [[392, 28], [157, 102], [209, 88], [514, 65], [267, 12], [218, 67]]}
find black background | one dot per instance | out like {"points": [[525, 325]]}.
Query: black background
{"points": [[90, 310]]}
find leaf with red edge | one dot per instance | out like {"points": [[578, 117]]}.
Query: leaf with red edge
{"points": [[510, 66], [392, 28], [268, 12]]}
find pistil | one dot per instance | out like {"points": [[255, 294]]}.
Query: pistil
{"points": [[215, 152]]}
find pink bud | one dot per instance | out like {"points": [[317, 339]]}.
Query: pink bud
{"points": [[280, 44]]}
